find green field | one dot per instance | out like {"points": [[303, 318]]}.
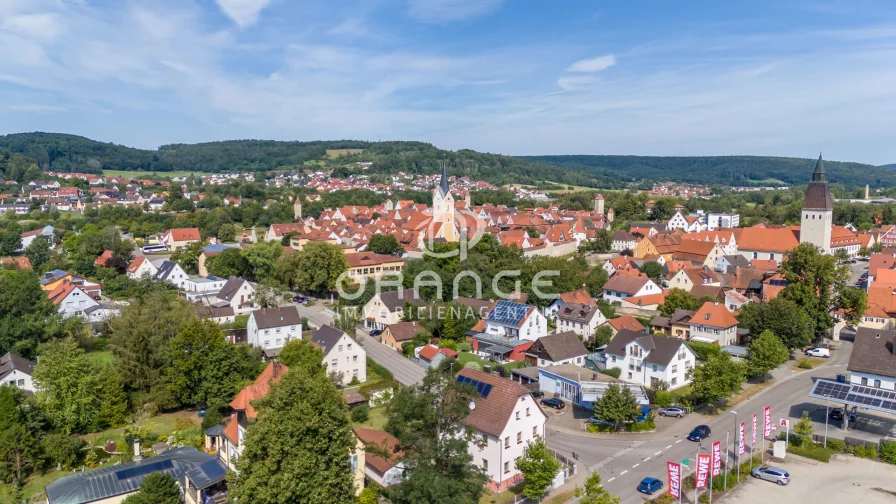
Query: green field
{"points": [[144, 174], [335, 153]]}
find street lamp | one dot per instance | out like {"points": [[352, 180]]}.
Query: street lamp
{"points": [[737, 451]]}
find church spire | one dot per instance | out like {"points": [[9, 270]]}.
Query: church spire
{"points": [[819, 175], [443, 183]]}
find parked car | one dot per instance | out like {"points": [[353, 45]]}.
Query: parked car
{"points": [[836, 414], [773, 474], [819, 352], [675, 411], [553, 402], [650, 485], [376, 332], [699, 433], [536, 394], [299, 299]]}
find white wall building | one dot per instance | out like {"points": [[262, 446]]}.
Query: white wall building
{"points": [[872, 362], [580, 319], [271, 328], [646, 358], [16, 372], [342, 354], [713, 323], [516, 320], [722, 220], [619, 287]]}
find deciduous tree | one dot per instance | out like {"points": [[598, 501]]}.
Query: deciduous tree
{"points": [[385, 244], [594, 492], [68, 386], [653, 269], [783, 317], [38, 253], [618, 406], [813, 282], [315, 268], [300, 353], [717, 378], [539, 468], [27, 317], [766, 352], [156, 488], [854, 303]]}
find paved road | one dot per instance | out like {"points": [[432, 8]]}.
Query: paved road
{"points": [[406, 372], [623, 463]]}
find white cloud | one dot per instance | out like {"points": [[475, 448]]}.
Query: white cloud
{"points": [[577, 82], [352, 27], [443, 11], [37, 108], [593, 64], [42, 26], [243, 12]]}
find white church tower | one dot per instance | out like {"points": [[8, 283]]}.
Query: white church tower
{"points": [[818, 209], [443, 208]]}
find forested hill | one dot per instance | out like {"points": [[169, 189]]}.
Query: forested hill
{"points": [[67, 153], [723, 170]]}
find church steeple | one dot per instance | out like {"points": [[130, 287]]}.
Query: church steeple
{"points": [[819, 175], [443, 183]]}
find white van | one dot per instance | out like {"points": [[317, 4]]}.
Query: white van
{"points": [[819, 352]]}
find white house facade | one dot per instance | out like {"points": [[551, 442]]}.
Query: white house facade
{"points": [[647, 359]]}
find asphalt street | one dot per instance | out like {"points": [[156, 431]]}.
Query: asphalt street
{"points": [[406, 372], [623, 463]]}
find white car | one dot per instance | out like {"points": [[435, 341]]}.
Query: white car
{"points": [[819, 352]]}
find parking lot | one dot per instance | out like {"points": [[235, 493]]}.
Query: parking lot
{"points": [[844, 479]]}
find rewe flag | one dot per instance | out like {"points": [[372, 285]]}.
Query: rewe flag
{"points": [[742, 443], [674, 471], [752, 444], [768, 422], [702, 469], [716, 458]]}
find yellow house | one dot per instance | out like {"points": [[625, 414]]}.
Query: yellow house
{"points": [[52, 279], [370, 265], [644, 247], [358, 460]]}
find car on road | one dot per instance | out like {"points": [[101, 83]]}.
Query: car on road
{"points": [[536, 394], [773, 474], [299, 299], [376, 332], [836, 414], [819, 352], [650, 485], [699, 433], [675, 411], [553, 402]]}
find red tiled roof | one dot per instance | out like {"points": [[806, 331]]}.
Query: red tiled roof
{"points": [[23, 263], [428, 352], [626, 322], [492, 413], [104, 258], [358, 259], [135, 264], [579, 296], [259, 388], [184, 234], [383, 441], [714, 315], [768, 239]]}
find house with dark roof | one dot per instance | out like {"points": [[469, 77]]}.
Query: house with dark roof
{"points": [[623, 240], [515, 321], [580, 318], [505, 419], [342, 355], [238, 294], [730, 263], [170, 271], [555, 349], [201, 478], [270, 328], [395, 335], [582, 386], [872, 362], [16, 372], [647, 359], [581, 296], [676, 326], [386, 308]]}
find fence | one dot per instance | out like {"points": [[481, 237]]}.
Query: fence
{"points": [[850, 441], [570, 466]]}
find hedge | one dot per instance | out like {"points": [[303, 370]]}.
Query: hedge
{"points": [[812, 451], [888, 452]]}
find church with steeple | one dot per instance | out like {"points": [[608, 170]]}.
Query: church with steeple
{"points": [[443, 212], [817, 215]]}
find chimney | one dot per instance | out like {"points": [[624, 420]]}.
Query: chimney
{"points": [[137, 456], [867, 191], [276, 368]]}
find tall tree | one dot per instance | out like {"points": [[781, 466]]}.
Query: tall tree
{"points": [[595, 281], [227, 263], [262, 259], [19, 453], [539, 468], [766, 352], [854, 303], [188, 257], [38, 252], [428, 422], [113, 401], [783, 317], [301, 353], [385, 244], [67, 380], [618, 405], [27, 317], [813, 282], [717, 378], [317, 267], [677, 298], [298, 449], [653, 269], [157, 488], [594, 492]]}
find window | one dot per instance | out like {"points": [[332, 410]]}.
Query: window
{"points": [[534, 431], [278, 330], [348, 347], [279, 341], [654, 368], [485, 465], [292, 328], [484, 440], [675, 368], [340, 348], [674, 380], [506, 467], [755, 255], [354, 462], [507, 442], [267, 342], [517, 415], [334, 363], [629, 376], [612, 358], [527, 412], [519, 438], [355, 372], [355, 358], [22, 384], [771, 256], [877, 383]]}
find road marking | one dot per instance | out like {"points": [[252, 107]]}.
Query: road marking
{"points": [[658, 453], [610, 480], [636, 465], [678, 441], [623, 473], [646, 459], [670, 446]]}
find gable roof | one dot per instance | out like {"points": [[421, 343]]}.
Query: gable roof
{"points": [[327, 337], [660, 349], [230, 288], [508, 312], [558, 347], [165, 269], [267, 318], [627, 284], [405, 331], [428, 352], [393, 300], [272, 373], [184, 234], [626, 322], [358, 259], [578, 312], [492, 413], [874, 352], [135, 264], [581, 296], [768, 239], [383, 441], [714, 315], [12, 362]]}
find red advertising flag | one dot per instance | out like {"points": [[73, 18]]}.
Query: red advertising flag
{"points": [[767, 419], [702, 469], [716, 458], [753, 443], [674, 471], [742, 442]]}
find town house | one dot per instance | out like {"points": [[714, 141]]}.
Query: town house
{"points": [[648, 359], [713, 323], [555, 349], [580, 318], [343, 356], [271, 328]]}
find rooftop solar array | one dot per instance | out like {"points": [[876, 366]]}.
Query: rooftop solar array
{"points": [[856, 395], [484, 389], [508, 312], [133, 472]]}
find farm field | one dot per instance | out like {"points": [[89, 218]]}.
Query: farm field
{"points": [[143, 174]]}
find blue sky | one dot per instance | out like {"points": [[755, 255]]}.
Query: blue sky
{"points": [[509, 76]]}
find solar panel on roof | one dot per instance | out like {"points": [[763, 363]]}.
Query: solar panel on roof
{"points": [[133, 472]]}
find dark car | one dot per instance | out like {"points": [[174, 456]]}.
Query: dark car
{"points": [[553, 402], [537, 394], [376, 332], [699, 433], [836, 414], [299, 299], [650, 485], [675, 411]]}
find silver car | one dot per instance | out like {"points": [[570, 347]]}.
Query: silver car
{"points": [[774, 474], [673, 411]]}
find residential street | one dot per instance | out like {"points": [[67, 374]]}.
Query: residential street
{"points": [[623, 460], [406, 372]]}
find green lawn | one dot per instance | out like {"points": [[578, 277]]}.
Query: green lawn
{"points": [[102, 358], [465, 357], [144, 174], [377, 420]]}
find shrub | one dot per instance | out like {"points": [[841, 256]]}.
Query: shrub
{"points": [[836, 445], [473, 365], [361, 413], [378, 369], [445, 343], [804, 364], [62, 450], [355, 381], [812, 451], [888, 452], [664, 499], [614, 372], [863, 451], [464, 347], [645, 426], [704, 498], [663, 399], [719, 482]]}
